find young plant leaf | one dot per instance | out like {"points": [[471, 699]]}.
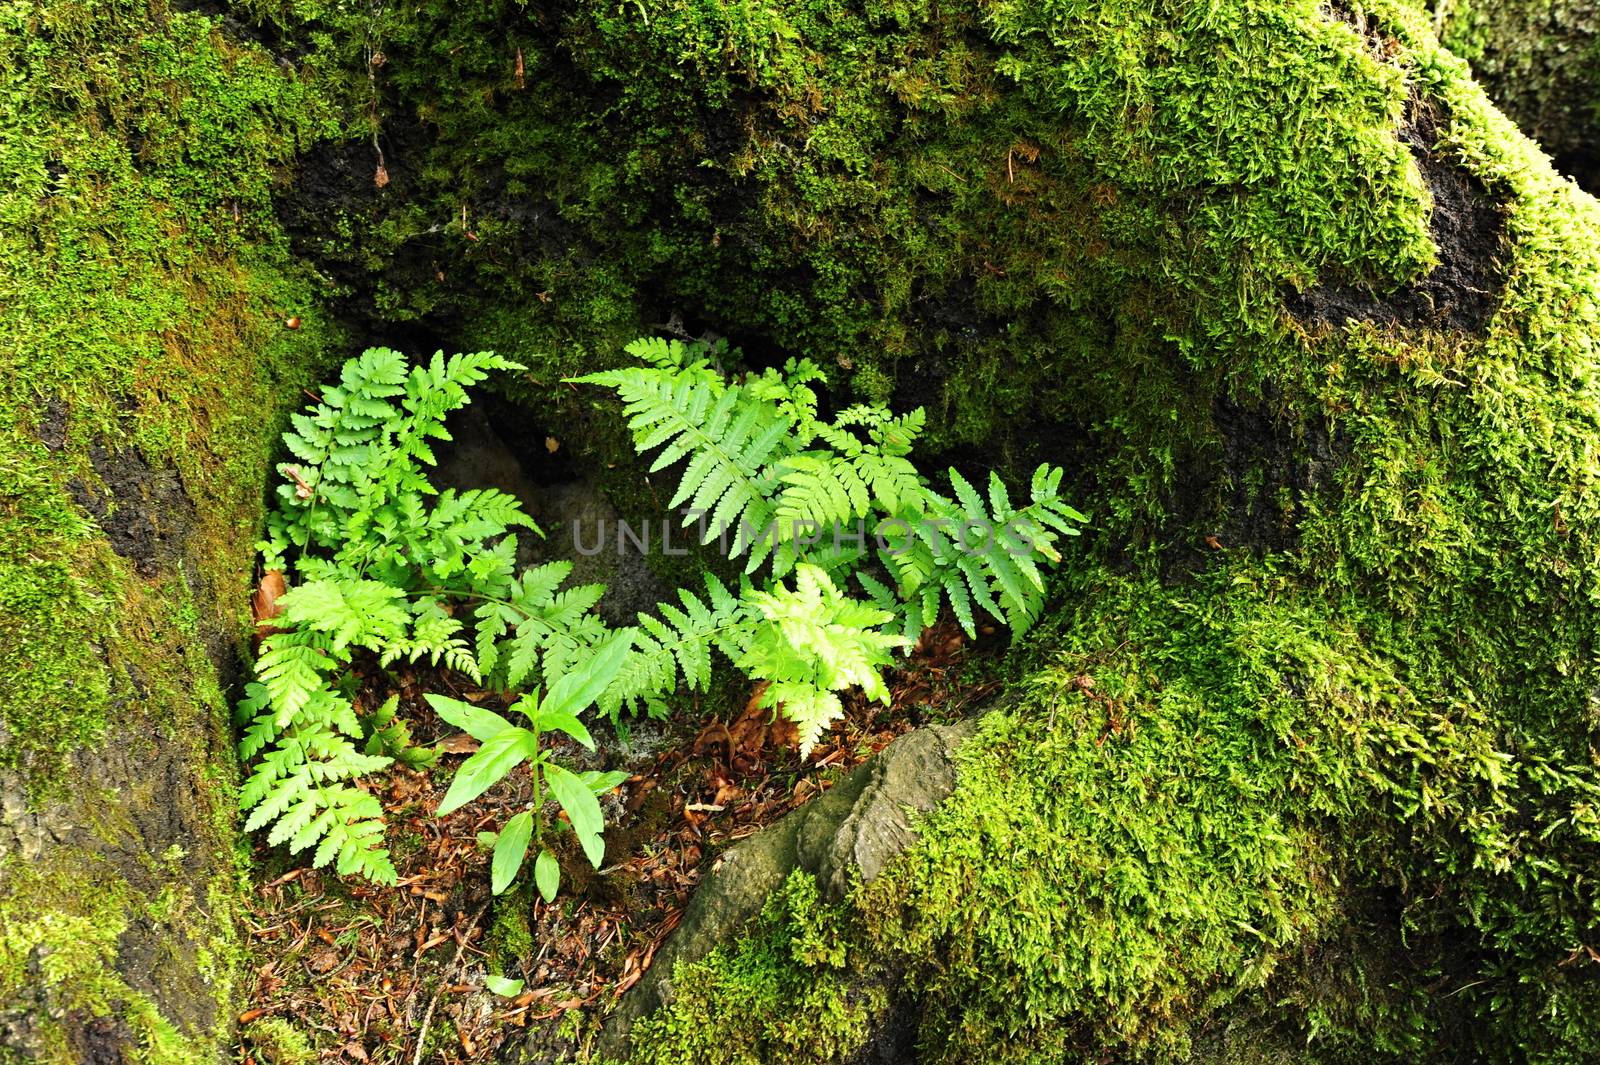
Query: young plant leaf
{"points": [[577, 689], [560, 721], [482, 725], [510, 849], [497, 757], [582, 808], [503, 986], [547, 875], [600, 783]]}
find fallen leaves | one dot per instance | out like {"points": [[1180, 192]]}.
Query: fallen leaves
{"points": [[367, 970], [460, 743], [264, 604]]}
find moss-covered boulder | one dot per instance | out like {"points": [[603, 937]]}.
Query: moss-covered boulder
{"points": [[144, 355]]}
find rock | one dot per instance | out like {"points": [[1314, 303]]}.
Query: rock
{"points": [[578, 521], [845, 837]]}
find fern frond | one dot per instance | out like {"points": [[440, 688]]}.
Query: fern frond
{"points": [[389, 736], [291, 668], [351, 611], [787, 389], [820, 491], [729, 436], [815, 640], [811, 709], [537, 629], [678, 641], [982, 554], [436, 636]]}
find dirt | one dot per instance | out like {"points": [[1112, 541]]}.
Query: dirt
{"points": [[356, 967], [1468, 231], [334, 214], [100, 1041], [52, 430]]}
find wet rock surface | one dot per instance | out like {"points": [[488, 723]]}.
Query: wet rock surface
{"points": [[143, 509]]}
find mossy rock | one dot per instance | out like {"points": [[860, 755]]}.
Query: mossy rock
{"points": [[1540, 62], [144, 360], [1327, 325]]}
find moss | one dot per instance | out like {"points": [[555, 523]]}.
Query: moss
{"points": [[783, 994], [441, 1036], [1100, 228], [899, 193], [145, 309], [278, 1042], [60, 933], [1363, 721], [510, 937], [1541, 64], [144, 355], [1182, 808]]}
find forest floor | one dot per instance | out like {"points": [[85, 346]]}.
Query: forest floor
{"points": [[436, 969]]}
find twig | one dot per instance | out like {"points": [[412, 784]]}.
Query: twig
{"points": [[427, 1017]]}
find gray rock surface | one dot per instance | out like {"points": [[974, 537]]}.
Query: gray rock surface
{"points": [[847, 836]]}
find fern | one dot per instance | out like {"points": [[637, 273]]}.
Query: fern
{"points": [[970, 554], [383, 563], [388, 735], [310, 731], [358, 491], [731, 437], [761, 461], [675, 642], [537, 630], [811, 643], [378, 554]]}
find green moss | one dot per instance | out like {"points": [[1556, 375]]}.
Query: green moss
{"points": [[60, 933], [1541, 64], [784, 993], [510, 938], [897, 190], [144, 357], [1058, 225], [277, 1041], [1195, 793], [144, 309], [1371, 724]]}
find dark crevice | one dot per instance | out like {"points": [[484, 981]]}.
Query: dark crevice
{"points": [[895, 1035]]}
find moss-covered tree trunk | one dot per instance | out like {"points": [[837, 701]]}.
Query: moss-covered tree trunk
{"points": [[144, 355]]}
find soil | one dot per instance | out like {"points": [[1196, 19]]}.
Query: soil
{"points": [[399, 974]]}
